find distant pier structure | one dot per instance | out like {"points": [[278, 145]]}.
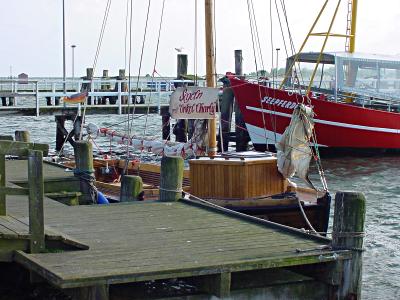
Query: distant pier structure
{"points": [[107, 94]]}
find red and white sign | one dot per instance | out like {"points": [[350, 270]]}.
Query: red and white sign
{"points": [[193, 103]]}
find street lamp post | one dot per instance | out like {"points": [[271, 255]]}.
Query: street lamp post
{"points": [[277, 62], [73, 62], [63, 17]]}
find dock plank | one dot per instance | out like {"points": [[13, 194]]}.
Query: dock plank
{"points": [[131, 242]]}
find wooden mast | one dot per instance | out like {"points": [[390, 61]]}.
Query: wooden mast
{"points": [[210, 70]]}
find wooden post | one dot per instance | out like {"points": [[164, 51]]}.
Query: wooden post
{"points": [[348, 233], [3, 101], [37, 99], [36, 194], [210, 70], [226, 114], [6, 138], [238, 63], [3, 209], [123, 86], [83, 151], [171, 178], [218, 285], [165, 123], [131, 187], [77, 127], [60, 124], [22, 136], [97, 292], [182, 66], [87, 85], [48, 101], [242, 136], [105, 86], [180, 129]]}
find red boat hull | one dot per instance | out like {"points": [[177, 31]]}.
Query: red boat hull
{"points": [[267, 113]]}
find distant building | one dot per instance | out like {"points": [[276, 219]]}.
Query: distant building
{"points": [[22, 78]]}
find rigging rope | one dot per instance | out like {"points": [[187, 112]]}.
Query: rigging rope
{"points": [[99, 43], [140, 62], [253, 39]]}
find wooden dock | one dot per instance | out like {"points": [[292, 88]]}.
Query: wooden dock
{"points": [[222, 253]]}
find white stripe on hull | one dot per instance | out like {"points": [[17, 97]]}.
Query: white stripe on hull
{"points": [[338, 124], [258, 134]]}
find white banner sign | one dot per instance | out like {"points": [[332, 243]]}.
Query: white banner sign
{"points": [[193, 103]]}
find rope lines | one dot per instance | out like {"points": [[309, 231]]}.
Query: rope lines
{"points": [[99, 43]]}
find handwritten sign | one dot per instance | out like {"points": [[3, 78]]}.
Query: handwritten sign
{"points": [[193, 103]]}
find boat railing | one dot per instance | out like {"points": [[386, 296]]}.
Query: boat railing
{"points": [[368, 98]]}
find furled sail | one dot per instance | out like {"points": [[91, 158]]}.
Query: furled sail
{"points": [[195, 146], [293, 150]]}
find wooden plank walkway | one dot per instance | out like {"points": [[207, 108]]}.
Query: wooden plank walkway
{"points": [[153, 240]]}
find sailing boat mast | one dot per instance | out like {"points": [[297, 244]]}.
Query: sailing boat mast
{"points": [[210, 70]]}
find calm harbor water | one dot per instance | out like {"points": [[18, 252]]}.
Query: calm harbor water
{"points": [[377, 177]]}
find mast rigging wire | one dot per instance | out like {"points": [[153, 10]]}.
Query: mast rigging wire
{"points": [[99, 43]]}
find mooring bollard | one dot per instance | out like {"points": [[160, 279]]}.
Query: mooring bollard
{"points": [[84, 171], [348, 233], [22, 136], [171, 178], [131, 188]]}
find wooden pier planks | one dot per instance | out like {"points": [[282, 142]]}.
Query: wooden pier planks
{"points": [[146, 241]]}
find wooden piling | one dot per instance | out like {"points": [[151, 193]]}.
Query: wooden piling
{"points": [[36, 195], [348, 233], [62, 135], [165, 124], [22, 136], [171, 178], [84, 170], [131, 188], [238, 63], [124, 85], [6, 138], [105, 86], [86, 86], [182, 66], [3, 101], [181, 127], [226, 107], [3, 209], [242, 136]]}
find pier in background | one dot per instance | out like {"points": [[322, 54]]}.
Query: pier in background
{"points": [[105, 95]]}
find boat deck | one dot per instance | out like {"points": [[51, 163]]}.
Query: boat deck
{"points": [[132, 242]]}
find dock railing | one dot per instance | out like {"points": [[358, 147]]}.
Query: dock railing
{"points": [[105, 92]]}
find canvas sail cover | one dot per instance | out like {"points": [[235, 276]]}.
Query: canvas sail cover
{"points": [[293, 150]]}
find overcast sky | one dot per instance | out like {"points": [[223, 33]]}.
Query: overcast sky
{"points": [[31, 33]]}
